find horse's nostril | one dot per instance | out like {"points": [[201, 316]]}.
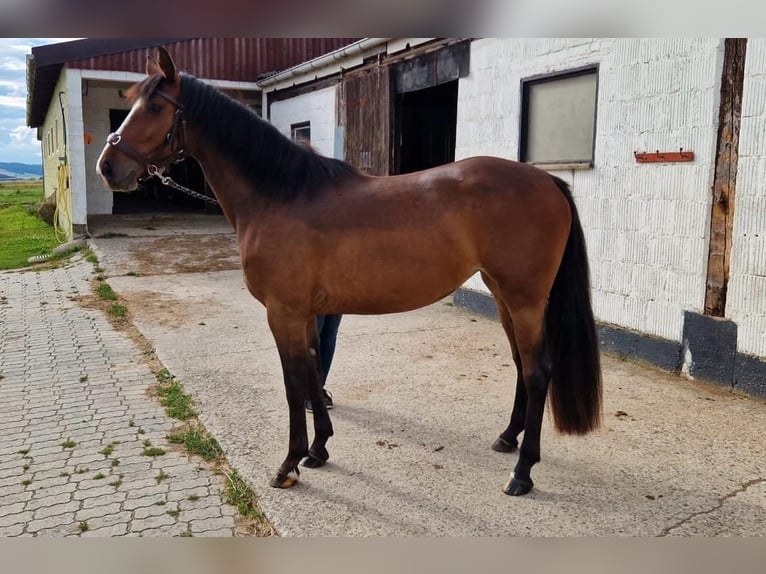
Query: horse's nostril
{"points": [[106, 169]]}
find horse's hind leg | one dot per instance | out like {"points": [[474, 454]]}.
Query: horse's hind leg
{"points": [[528, 331], [318, 454], [508, 439]]}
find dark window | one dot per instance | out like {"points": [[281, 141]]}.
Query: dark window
{"points": [[301, 132]]}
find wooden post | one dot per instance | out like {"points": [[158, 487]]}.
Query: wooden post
{"points": [[722, 217]]}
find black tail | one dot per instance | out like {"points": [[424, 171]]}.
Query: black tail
{"points": [[571, 337]]}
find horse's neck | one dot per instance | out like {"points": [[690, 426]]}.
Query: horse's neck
{"points": [[233, 193]]}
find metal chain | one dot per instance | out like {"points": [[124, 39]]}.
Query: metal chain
{"points": [[190, 192]]}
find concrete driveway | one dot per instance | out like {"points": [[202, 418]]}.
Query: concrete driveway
{"points": [[419, 399]]}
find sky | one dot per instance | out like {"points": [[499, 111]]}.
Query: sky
{"points": [[18, 143]]}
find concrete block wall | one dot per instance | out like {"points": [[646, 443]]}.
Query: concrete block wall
{"points": [[746, 299], [316, 107], [646, 224]]}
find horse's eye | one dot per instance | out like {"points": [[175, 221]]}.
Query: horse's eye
{"points": [[155, 108]]}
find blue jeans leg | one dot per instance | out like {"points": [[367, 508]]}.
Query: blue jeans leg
{"points": [[327, 327]]}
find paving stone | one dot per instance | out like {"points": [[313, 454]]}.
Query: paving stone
{"points": [[152, 522], [210, 524], [43, 499], [120, 529], [56, 509], [200, 513], [105, 499], [98, 511], [44, 403], [50, 522]]}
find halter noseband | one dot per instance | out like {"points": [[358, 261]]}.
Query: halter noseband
{"points": [[176, 139]]}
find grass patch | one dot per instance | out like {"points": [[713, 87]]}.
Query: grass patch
{"points": [[193, 497], [23, 451], [161, 476], [83, 526], [105, 291], [83, 378], [27, 192], [153, 451], [107, 450], [117, 483], [99, 476], [239, 494], [173, 513], [118, 311], [197, 441], [26, 482], [23, 235], [69, 443], [186, 534], [177, 403]]}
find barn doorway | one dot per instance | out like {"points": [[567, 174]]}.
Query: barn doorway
{"points": [[154, 197], [425, 127]]}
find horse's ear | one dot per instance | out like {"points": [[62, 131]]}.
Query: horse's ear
{"points": [[152, 67], [166, 64], [162, 65]]}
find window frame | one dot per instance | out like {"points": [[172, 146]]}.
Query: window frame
{"points": [[296, 127], [530, 81]]}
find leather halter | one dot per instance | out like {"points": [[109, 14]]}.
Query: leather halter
{"points": [[176, 139]]}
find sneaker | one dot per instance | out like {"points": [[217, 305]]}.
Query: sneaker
{"points": [[327, 401]]}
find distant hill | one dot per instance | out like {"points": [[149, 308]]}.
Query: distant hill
{"points": [[11, 170]]}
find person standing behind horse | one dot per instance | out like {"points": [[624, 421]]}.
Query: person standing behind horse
{"points": [[327, 329]]}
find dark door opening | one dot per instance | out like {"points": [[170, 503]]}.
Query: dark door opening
{"points": [[426, 126], [152, 196]]}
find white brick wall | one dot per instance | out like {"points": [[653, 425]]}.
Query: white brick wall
{"points": [[746, 299], [316, 107], [101, 96], [646, 224]]}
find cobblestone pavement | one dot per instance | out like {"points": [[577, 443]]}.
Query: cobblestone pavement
{"points": [[74, 420]]}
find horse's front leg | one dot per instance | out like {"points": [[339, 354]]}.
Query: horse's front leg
{"points": [[318, 454], [290, 334]]}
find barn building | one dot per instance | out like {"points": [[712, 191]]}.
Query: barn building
{"points": [[661, 140]]}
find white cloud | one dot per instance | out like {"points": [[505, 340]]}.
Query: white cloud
{"points": [[22, 135], [17, 142], [13, 102]]}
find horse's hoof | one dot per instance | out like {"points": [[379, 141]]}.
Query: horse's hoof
{"points": [[282, 480], [312, 461], [502, 445], [516, 487]]}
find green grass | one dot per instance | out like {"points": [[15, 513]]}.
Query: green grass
{"points": [[153, 451], [69, 443], [198, 442], [105, 291], [177, 404], [116, 310], [20, 192], [22, 235], [239, 494]]}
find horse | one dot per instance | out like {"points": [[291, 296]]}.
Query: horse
{"points": [[319, 237]]}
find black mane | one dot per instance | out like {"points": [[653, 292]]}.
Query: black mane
{"points": [[276, 166]]}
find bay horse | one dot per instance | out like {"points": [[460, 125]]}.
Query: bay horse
{"points": [[317, 236]]}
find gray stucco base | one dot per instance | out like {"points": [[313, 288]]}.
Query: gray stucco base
{"points": [[708, 350]]}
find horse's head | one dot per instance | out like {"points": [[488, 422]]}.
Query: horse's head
{"points": [[152, 135]]}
